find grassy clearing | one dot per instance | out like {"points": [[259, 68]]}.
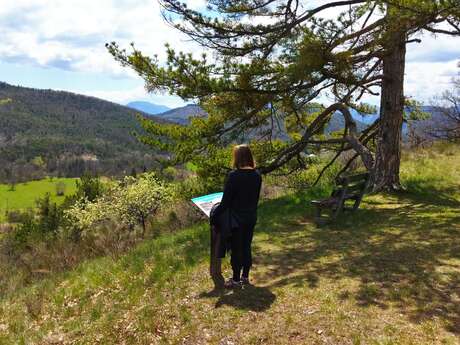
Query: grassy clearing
{"points": [[389, 274], [25, 194]]}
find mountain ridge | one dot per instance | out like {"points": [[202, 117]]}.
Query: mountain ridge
{"points": [[148, 107], [64, 129]]}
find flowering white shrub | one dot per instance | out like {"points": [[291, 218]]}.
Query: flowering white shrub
{"points": [[131, 202], [138, 200], [85, 214]]}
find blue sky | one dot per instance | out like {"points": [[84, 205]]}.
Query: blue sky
{"points": [[59, 44]]}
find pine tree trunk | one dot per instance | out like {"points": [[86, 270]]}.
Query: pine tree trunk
{"points": [[388, 155]]}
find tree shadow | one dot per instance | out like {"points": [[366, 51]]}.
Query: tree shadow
{"points": [[405, 251], [250, 297]]}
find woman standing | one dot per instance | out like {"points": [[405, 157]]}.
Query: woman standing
{"points": [[241, 196]]}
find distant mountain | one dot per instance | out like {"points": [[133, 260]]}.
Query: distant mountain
{"points": [[69, 132], [434, 126], [182, 115], [337, 123], [420, 128], [364, 118], [147, 107]]}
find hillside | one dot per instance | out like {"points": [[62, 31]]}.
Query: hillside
{"points": [[68, 131], [182, 115], [388, 274], [147, 107]]}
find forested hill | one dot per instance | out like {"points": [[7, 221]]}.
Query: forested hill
{"points": [[65, 133], [182, 115]]}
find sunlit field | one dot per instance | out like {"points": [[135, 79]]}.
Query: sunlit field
{"points": [[23, 195]]}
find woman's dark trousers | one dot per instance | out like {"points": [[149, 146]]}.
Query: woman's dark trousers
{"points": [[241, 259]]}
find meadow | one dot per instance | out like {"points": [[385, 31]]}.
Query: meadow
{"points": [[24, 194], [387, 274]]}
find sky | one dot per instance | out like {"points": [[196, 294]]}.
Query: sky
{"points": [[60, 44]]}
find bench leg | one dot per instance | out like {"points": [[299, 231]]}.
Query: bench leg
{"points": [[318, 212], [339, 209], [357, 203]]}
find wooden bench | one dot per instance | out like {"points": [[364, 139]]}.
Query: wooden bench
{"points": [[348, 188]]}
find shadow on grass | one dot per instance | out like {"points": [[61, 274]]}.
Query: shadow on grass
{"points": [[404, 249], [250, 297]]}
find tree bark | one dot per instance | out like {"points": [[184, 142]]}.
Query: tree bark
{"points": [[388, 153], [143, 226]]}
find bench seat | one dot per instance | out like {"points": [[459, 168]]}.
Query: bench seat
{"points": [[352, 187]]}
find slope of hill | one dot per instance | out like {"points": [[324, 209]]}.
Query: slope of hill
{"points": [[66, 129], [387, 274], [148, 108], [337, 123], [182, 115]]}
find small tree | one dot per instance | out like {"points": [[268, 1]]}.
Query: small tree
{"points": [[42, 224], [12, 185], [39, 162], [49, 215], [130, 202]]}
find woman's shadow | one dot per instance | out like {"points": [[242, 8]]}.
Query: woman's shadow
{"points": [[249, 297]]}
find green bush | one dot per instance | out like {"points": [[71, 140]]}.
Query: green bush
{"points": [[23, 233], [43, 224], [50, 216], [88, 187]]}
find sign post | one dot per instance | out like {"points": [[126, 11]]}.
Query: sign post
{"points": [[205, 204]]}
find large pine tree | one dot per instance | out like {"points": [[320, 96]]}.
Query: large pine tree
{"points": [[272, 61]]}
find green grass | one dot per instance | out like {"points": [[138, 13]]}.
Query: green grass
{"points": [[25, 194], [388, 274]]}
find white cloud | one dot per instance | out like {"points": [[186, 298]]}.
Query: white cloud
{"points": [[424, 80], [439, 48], [70, 34]]}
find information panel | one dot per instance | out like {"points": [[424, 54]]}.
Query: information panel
{"points": [[206, 202]]}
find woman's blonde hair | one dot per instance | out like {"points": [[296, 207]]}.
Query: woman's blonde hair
{"points": [[242, 157]]}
